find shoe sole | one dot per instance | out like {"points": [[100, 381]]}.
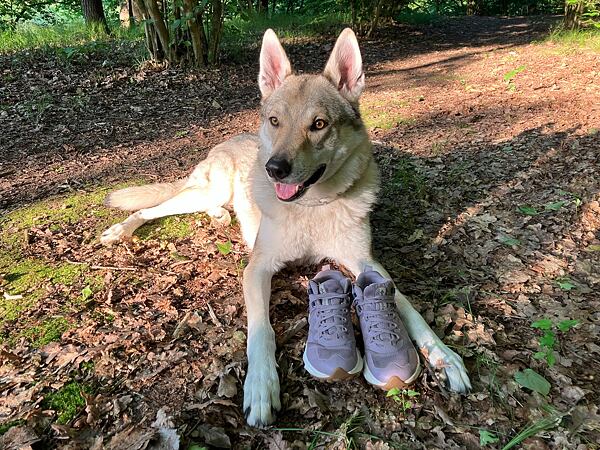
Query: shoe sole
{"points": [[339, 374], [392, 382]]}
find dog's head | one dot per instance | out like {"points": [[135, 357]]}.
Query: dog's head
{"points": [[310, 123]]}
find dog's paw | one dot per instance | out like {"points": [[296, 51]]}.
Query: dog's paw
{"points": [[219, 217], [450, 365], [261, 395], [114, 234]]}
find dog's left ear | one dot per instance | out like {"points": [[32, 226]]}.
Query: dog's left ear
{"points": [[344, 68]]}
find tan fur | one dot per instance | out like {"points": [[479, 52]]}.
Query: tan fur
{"points": [[139, 197], [330, 221]]}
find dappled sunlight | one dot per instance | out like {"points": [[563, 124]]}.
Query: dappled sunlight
{"points": [[488, 219]]}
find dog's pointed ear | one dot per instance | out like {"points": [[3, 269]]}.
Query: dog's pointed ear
{"points": [[344, 68], [274, 64]]}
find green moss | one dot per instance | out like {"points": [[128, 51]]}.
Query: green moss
{"points": [[29, 274], [55, 213], [48, 331], [382, 111], [8, 425], [166, 228], [27, 279], [67, 401]]}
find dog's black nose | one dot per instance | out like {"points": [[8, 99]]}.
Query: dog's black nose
{"points": [[278, 169]]}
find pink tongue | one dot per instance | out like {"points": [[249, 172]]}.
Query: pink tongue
{"points": [[286, 191]]}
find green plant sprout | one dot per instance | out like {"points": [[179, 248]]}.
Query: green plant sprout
{"points": [[510, 75], [548, 340], [403, 396]]}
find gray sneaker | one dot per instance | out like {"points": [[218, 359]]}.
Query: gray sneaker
{"points": [[331, 352], [391, 360]]}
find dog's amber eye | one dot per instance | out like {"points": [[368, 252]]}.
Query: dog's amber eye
{"points": [[319, 124], [274, 121]]}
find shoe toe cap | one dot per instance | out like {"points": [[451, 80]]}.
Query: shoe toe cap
{"points": [[401, 365], [327, 360]]}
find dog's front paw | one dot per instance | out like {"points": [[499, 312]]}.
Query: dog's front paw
{"points": [[114, 234], [261, 394], [450, 365]]}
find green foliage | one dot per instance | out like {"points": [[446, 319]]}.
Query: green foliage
{"points": [[585, 13], [528, 210], [555, 206], [566, 325], [403, 396], [548, 422], [241, 32], [86, 294], [40, 12], [70, 39], [508, 241], [486, 437], [530, 379], [48, 331], [224, 247], [565, 284], [510, 76], [548, 340], [583, 38], [8, 425]]}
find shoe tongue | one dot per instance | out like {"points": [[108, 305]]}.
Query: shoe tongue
{"points": [[331, 286], [379, 289]]}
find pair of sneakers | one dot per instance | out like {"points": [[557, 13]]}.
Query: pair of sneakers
{"points": [[390, 359]]}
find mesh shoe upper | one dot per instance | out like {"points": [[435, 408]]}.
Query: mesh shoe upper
{"points": [[330, 344], [389, 351]]}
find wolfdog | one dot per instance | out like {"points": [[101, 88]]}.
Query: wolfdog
{"points": [[302, 190]]}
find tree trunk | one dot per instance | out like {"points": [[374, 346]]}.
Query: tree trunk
{"points": [[127, 15], [161, 28], [264, 7], [573, 12], [470, 7], [195, 25], [375, 19], [93, 13], [216, 30]]}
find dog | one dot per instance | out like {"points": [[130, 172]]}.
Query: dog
{"points": [[302, 190]]}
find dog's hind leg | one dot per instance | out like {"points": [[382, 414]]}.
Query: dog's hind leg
{"points": [[208, 196]]}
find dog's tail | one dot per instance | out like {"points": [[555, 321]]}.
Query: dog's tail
{"points": [[140, 197]]}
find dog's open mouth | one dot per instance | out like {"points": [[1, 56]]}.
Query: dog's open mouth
{"points": [[291, 192]]}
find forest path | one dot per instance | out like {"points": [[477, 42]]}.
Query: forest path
{"points": [[489, 220]]}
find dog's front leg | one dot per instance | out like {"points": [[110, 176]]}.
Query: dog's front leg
{"points": [[261, 388], [438, 354]]}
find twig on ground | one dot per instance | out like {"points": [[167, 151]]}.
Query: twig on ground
{"points": [[113, 268], [291, 331], [213, 316]]}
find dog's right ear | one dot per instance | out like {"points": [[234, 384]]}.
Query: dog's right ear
{"points": [[274, 64]]}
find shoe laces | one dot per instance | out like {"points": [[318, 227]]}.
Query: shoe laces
{"points": [[331, 310], [381, 317]]}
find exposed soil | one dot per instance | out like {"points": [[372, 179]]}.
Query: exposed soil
{"points": [[489, 219]]}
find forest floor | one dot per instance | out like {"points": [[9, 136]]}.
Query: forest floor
{"points": [[489, 220]]}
